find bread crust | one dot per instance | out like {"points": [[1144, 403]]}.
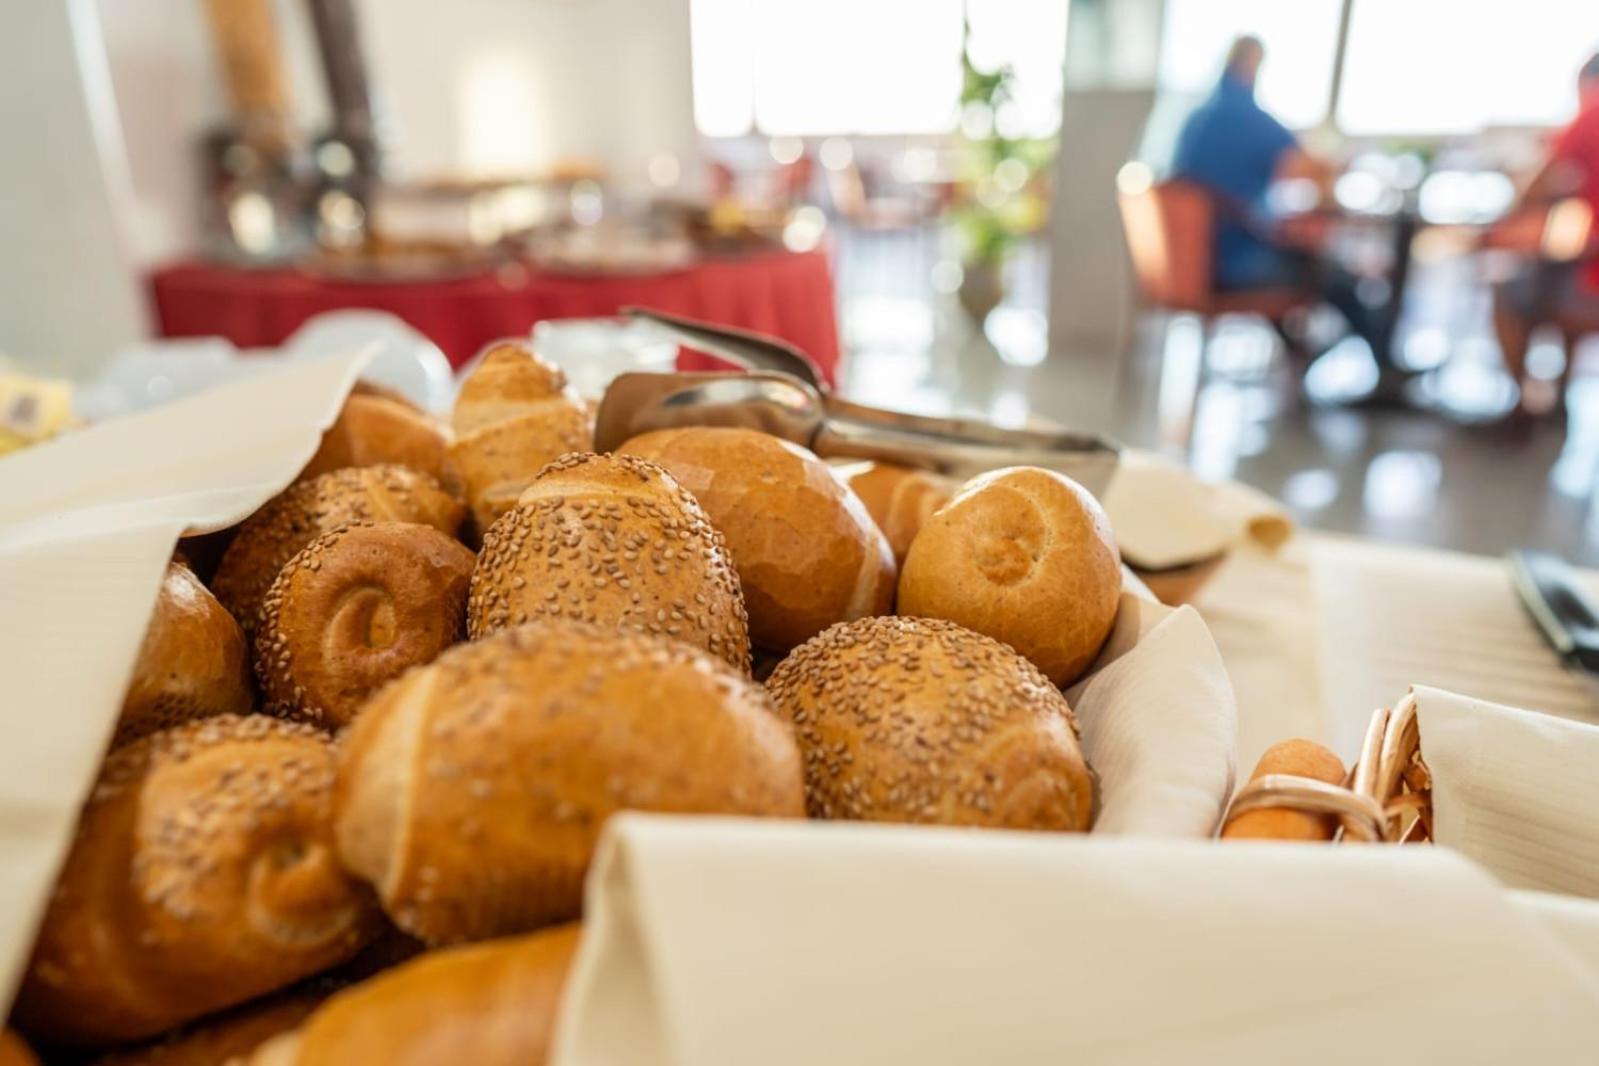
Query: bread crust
{"points": [[807, 552], [353, 610], [1025, 556], [612, 540], [519, 746], [919, 720]]}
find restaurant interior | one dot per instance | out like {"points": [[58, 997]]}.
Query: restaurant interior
{"points": [[1318, 280]]}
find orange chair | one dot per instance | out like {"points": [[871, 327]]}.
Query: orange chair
{"points": [[1169, 229]]}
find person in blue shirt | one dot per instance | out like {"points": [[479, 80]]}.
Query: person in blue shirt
{"points": [[1233, 148]]}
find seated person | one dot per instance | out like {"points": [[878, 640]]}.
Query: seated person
{"points": [[1544, 291], [1234, 149]]}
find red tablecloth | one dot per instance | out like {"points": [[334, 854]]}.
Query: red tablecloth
{"points": [[786, 294]]}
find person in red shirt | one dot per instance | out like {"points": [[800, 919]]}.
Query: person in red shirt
{"points": [[1547, 290]]}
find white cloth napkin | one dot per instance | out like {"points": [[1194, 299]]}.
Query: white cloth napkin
{"points": [[723, 943], [1515, 790], [1164, 516], [1159, 723], [87, 523]]}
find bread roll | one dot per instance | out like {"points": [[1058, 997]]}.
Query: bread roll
{"points": [[900, 500], [490, 1004], [807, 553], [353, 609], [13, 1052], [919, 720], [192, 662], [514, 414], [471, 791], [203, 874], [229, 1038], [1025, 556], [373, 429], [298, 515], [1302, 758], [613, 540]]}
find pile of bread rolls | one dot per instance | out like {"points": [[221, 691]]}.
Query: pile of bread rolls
{"points": [[363, 765]]}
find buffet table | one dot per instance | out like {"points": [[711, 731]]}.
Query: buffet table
{"points": [[786, 294]]}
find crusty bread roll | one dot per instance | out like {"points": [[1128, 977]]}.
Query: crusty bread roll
{"points": [[354, 609], [373, 429], [471, 791], [1302, 758], [192, 662], [298, 515], [611, 539], [1025, 556], [229, 1038], [900, 500], [13, 1052], [514, 414], [490, 1004], [203, 874], [919, 720], [807, 553]]}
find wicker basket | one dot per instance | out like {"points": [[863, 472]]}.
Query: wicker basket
{"points": [[1387, 796]]}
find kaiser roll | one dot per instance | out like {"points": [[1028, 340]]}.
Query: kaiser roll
{"points": [[373, 429], [472, 790], [514, 414], [919, 720], [355, 608], [302, 512], [807, 553], [1025, 556], [900, 500], [611, 539]]}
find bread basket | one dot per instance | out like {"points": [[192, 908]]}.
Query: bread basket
{"points": [[1386, 797]]}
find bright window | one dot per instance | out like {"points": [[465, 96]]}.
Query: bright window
{"points": [[1301, 39], [818, 67], [1433, 67]]}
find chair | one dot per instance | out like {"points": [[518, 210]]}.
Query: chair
{"points": [[1559, 233], [1169, 228]]}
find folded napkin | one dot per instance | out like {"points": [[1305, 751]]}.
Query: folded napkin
{"points": [[1515, 790], [720, 942], [1166, 517], [1159, 723], [87, 524]]}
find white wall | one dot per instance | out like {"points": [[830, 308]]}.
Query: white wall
{"points": [[67, 291]]}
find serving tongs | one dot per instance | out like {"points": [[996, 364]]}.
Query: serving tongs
{"points": [[782, 392]]}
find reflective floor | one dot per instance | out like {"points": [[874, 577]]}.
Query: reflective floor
{"points": [[1430, 476]]}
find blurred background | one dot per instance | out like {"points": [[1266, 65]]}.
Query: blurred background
{"points": [[1337, 249]]}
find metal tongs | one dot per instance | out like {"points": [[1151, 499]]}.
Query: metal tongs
{"points": [[782, 392]]}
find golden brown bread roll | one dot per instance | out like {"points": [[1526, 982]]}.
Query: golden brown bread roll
{"points": [[807, 553], [919, 720], [490, 1004], [613, 540], [192, 662], [471, 791], [1025, 556], [514, 414], [373, 429], [354, 609], [298, 515], [900, 500], [13, 1052], [1302, 758], [229, 1038], [203, 874]]}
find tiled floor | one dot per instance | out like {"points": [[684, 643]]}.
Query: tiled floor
{"points": [[1400, 475]]}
